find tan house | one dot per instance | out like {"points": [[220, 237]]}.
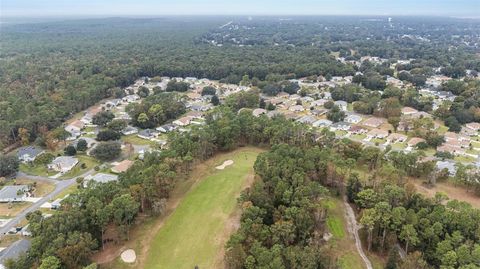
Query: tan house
{"points": [[374, 122], [122, 166]]}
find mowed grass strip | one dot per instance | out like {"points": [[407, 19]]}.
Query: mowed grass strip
{"points": [[195, 233]]}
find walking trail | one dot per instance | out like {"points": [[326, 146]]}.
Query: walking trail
{"points": [[353, 229]]}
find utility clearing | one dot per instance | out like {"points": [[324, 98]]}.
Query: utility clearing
{"points": [[196, 232]]}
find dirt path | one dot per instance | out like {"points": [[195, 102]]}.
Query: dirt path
{"points": [[353, 229]]}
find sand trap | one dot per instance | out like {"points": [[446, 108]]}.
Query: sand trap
{"points": [[128, 256], [225, 164]]}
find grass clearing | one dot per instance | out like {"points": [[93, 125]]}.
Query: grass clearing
{"points": [[342, 243], [10, 210], [135, 140], [193, 233]]}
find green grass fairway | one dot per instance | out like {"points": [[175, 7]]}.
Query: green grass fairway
{"points": [[194, 234]]}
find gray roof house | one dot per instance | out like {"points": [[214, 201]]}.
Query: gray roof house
{"points": [[14, 251], [449, 165], [345, 126], [307, 119], [129, 130], [166, 128], [147, 134], [28, 154], [63, 164], [322, 123], [353, 118], [341, 104], [15, 193], [100, 178]]}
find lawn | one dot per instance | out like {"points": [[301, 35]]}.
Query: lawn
{"points": [[10, 210], [399, 146], [36, 170], [342, 244], [42, 188], [358, 136], [195, 233], [135, 140], [465, 159]]}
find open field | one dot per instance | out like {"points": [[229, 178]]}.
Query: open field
{"points": [[200, 206], [342, 243], [453, 192]]}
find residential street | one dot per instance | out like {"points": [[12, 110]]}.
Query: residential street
{"points": [[60, 185]]}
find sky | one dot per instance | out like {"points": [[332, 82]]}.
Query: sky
{"points": [[62, 8]]}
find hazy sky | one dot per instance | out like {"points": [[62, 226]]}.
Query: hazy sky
{"points": [[41, 8]]}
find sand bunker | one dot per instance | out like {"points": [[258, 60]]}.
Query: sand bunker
{"points": [[128, 256], [225, 164]]}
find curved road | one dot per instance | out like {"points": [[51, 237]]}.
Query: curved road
{"points": [[60, 185]]}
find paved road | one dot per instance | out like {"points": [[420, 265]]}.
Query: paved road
{"points": [[353, 229], [60, 185]]}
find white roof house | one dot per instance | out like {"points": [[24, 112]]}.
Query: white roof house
{"points": [[341, 104], [322, 123], [63, 164], [101, 178], [352, 118]]}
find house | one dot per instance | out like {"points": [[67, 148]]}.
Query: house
{"points": [[147, 134], [322, 123], [166, 128], [14, 251], [194, 96], [75, 129], [449, 165], [355, 129], [14, 193], [307, 119], [195, 115], [183, 121], [258, 111], [130, 98], [63, 164], [200, 107], [353, 118], [467, 131], [274, 113], [29, 154], [319, 102], [450, 149], [396, 138], [122, 166], [475, 126], [373, 122], [87, 119], [414, 141], [108, 105], [341, 126], [129, 130], [318, 112], [377, 133], [341, 104], [296, 108], [100, 178], [409, 110]]}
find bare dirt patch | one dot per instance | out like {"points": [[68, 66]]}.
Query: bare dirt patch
{"points": [[453, 192]]}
